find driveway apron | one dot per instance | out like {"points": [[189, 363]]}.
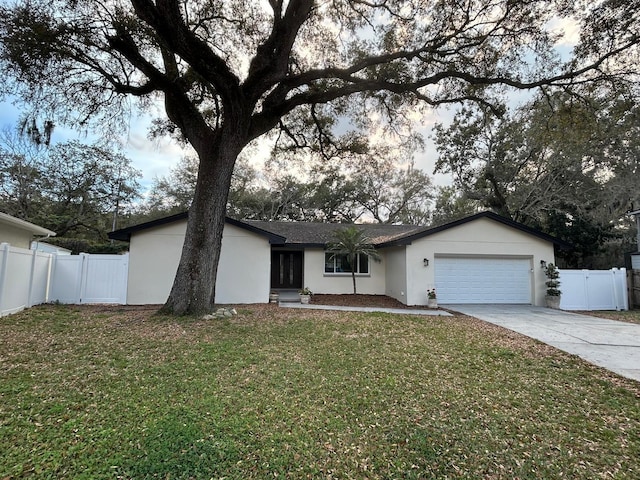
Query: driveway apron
{"points": [[607, 343]]}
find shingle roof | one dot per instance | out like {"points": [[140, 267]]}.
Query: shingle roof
{"points": [[309, 234], [319, 234]]}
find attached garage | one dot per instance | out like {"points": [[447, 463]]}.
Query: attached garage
{"points": [[484, 279], [484, 258]]}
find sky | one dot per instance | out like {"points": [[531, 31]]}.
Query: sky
{"points": [[156, 157], [152, 158]]}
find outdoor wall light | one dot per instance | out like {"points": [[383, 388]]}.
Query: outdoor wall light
{"points": [[543, 264], [425, 262]]}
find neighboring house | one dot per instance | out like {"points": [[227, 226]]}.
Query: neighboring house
{"points": [[635, 257], [484, 258], [20, 233], [45, 247]]}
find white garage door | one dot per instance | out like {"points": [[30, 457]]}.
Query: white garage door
{"points": [[483, 280]]}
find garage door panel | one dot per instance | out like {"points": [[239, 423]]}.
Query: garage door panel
{"points": [[483, 280]]}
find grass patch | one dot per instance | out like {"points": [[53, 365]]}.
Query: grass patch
{"points": [[90, 392]]}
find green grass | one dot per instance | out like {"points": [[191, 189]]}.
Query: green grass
{"points": [[121, 393]]}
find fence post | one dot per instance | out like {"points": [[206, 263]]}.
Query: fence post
{"points": [[585, 287], [633, 287], [82, 287], [4, 261], [32, 275], [618, 295], [50, 267]]}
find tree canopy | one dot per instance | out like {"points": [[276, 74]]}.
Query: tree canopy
{"points": [[229, 71], [76, 190], [562, 163]]}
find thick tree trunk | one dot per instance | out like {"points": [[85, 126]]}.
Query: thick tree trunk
{"points": [[194, 287]]}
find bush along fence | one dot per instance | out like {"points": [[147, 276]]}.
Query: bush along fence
{"points": [[30, 278]]}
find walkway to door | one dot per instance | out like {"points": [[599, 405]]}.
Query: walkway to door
{"points": [[606, 343]]}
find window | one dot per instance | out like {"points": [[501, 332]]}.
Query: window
{"points": [[341, 264]]}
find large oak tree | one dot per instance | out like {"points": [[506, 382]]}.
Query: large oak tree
{"points": [[230, 71], [565, 164]]}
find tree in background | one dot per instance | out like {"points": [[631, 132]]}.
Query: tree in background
{"points": [[563, 163], [229, 72], [76, 190], [378, 191], [451, 204], [21, 175], [351, 243]]}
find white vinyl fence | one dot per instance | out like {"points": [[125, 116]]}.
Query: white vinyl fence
{"points": [[24, 278], [88, 278], [594, 289], [29, 278]]}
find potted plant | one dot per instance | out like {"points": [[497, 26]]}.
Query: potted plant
{"points": [[305, 295], [553, 292], [432, 300]]}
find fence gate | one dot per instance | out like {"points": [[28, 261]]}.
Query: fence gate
{"points": [[594, 289], [88, 278]]}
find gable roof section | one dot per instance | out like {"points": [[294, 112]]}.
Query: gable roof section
{"points": [[490, 215], [24, 225], [124, 234], [311, 234]]}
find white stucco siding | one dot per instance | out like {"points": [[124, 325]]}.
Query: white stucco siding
{"points": [[153, 260], [482, 237], [396, 273], [319, 282], [14, 236], [243, 271], [244, 268]]}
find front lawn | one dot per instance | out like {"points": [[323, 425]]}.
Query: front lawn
{"points": [[95, 392]]}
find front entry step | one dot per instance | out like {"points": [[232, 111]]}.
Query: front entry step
{"points": [[288, 296]]}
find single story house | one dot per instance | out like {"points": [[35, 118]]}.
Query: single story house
{"points": [[484, 258], [20, 233]]}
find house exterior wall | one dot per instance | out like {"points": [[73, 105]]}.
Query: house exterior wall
{"points": [[16, 237], [319, 282], [243, 271], [396, 273], [480, 237]]}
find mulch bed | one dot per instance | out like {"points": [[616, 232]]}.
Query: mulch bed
{"points": [[361, 300]]}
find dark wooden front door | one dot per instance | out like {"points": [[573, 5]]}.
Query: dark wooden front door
{"points": [[286, 269]]}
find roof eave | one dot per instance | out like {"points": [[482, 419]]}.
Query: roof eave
{"points": [[490, 215], [124, 234], [24, 225]]}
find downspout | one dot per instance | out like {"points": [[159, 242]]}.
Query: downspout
{"points": [[48, 287], [37, 240]]}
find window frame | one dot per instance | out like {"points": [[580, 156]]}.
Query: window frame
{"points": [[334, 273]]}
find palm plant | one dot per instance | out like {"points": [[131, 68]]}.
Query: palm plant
{"points": [[352, 242]]}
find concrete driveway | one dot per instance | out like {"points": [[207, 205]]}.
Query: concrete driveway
{"points": [[606, 343]]}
